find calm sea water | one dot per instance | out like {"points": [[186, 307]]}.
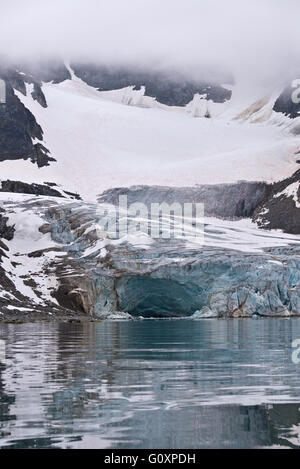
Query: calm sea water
{"points": [[150, 384]]}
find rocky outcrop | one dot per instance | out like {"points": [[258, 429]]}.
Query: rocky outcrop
{"points": [[286, 105], [18, 129], [15, 304], [38, 95], [281, 209], [47, 189], [19, 187], [18, 126], [6, 232]]}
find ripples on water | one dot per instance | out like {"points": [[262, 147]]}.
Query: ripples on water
{"points": [[150, 384]]}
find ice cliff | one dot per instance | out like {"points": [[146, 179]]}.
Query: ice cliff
{"points": [[56, 257]]}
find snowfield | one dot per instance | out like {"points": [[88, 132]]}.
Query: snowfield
{"points": [[121, 138]]}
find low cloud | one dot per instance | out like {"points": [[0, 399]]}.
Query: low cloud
{"points": [[258, 39]]}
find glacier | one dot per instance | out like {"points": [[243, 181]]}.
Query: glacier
{"points": [[57, 258], [238, 155]]}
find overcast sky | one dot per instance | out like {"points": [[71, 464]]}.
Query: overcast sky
{"points": [[253, 37]]}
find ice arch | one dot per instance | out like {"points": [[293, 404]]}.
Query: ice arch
{"points": [[158, 297]]}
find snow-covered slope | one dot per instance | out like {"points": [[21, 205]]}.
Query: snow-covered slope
{"points": [[102, 140]]}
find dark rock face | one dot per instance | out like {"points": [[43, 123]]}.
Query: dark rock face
{"points": [[165, 87], [70, 299], [6, 232], [38, 95], [281, 210], [41, 156], [18, 126], [17, 129], [46, 189], [23, 188], [286, 104]]}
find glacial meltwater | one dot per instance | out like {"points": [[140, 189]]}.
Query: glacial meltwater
{"points": [[150, 384]]}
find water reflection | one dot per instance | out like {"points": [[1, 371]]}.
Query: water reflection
{"points": [[150, 384]]}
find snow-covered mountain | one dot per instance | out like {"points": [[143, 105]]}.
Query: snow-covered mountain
{"points": [[90, 132], [58, 92], [125, 137]]}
